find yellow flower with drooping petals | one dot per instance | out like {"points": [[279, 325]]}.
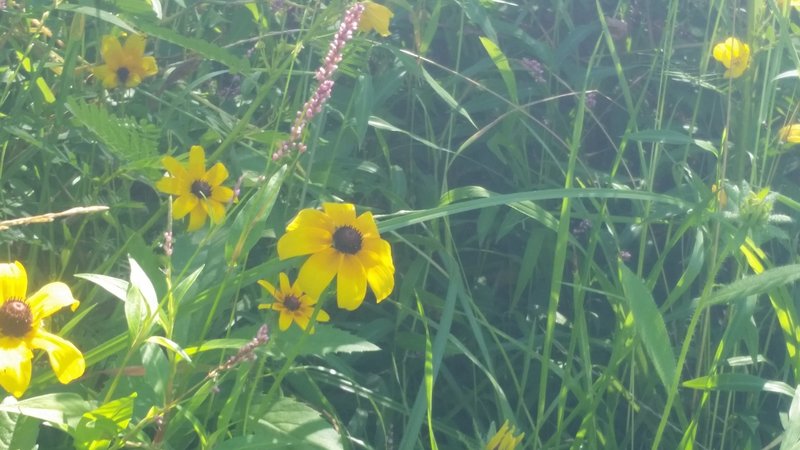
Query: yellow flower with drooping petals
{"points": [[124, 65], [341, 245], [199, 193], [504, 439], [22, 330], [294, 304], [790, 133], [734, 55], [375, 17]]}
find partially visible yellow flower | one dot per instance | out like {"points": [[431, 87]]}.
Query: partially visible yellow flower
{"points": [[375, 17], [341, 245], [504, 439], [198, 192], [790, 133], [734, 55], [22, 330], [293, 303], [785, 4], [126, 66]]}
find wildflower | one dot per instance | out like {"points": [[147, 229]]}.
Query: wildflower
{"points": [[199, 192], [342, 245], [22, 330], [324, 76], [126, 66], [504, 439], [790, 134], [376, 17], [293, 303], [734, 55]]}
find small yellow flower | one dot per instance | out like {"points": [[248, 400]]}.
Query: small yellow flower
{"points": [[790, 133], [734, 55], [504, 439], [342, 245], [22, 330], [375, 17], [293, 303], [198, 192], [126, 66]]}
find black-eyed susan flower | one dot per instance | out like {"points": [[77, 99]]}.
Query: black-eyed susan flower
{"points": [[790, 134], [504, 439], [22, 330], [375, 17], [341, 245], [293, 304], [198, 193], [124, 65], [734, 55]]}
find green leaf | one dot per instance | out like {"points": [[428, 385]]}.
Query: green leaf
{"points": [[61, 410], [501, 62], [289, 423], [738, 382], [752, 285], [660, 136], [327, 339], [649, 325], [98, 427], [114, 286], [17, 432], [444, 95], [200, 46]]}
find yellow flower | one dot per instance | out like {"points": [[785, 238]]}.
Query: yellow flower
{"points": [[504, 439], [340, 244], [293, 303], [785, 4], [22, 330], [375, 17], [126, 66], [734, 55], [790, 133], [199, 192]]}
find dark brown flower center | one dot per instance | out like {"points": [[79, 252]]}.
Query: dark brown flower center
{"points": [[15, 318], [201, 189], [291, 303], [347, 239], [122, 74]]}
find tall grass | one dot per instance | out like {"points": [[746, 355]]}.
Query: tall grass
{"points": [[594, 231]]}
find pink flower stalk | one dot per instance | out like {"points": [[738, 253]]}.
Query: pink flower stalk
{"points": [[324, 77]]}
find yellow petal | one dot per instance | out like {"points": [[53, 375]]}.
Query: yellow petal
{"points": [[13, 281], [196, 219], [173, 186], [134, 79], [351, 283], [381, 281], [365, 223], [216, 174], [310, 218], [15, 366], [302, 320], [134, 46], [106, 76], [221, 194], [340, 213], [284, 282], [268, 287], [215, 210], [322, 316], [66, 360], [51, 298], [375, 17], [111, 50], [183, 205], [175, 168], [197, 162], [285, 320], [318, 271], [304, 241], [149, 67]]}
